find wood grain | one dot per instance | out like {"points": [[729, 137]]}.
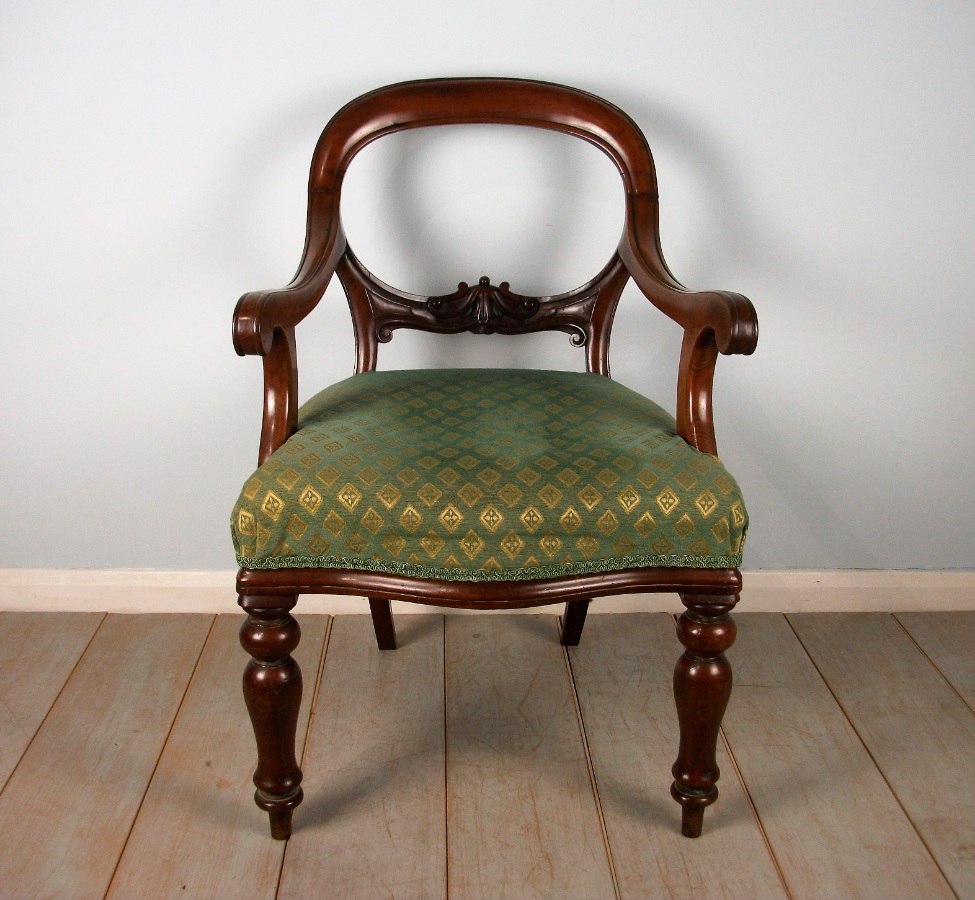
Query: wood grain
{"points": [[621, 675], [40, 652], [831, 820], [198, 833], [918, 730], [69, 805], [948, 640], [522, 817], [373, 822]]}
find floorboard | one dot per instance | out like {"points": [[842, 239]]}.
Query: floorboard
{"points": [[948, 640], [622, 672], [41, 650], [831, 820], [68, 807], [918, 730], [522, 817], [199, 833], [373, 823], [462, 760]]}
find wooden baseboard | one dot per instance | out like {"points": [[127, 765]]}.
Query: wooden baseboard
{"points": [[142, 590]]}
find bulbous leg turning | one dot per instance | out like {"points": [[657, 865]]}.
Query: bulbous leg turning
{"points": [[702, 686], [272, 692]]}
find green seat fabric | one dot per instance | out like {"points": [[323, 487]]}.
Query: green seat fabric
{"points": [[487, 475]]}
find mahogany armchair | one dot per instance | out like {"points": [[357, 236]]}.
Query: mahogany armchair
{"points": [[487, 488]]}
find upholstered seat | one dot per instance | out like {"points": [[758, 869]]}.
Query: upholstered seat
{"points": [[487, 488], [487, 475]]}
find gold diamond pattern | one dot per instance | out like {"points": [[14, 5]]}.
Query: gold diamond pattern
{"points": [[590, 497], [334, 522], [512, 545], [738, 514], [570, 520], [429, 494], [577, 465], [394, 543], [668, 501], [328, 476], [510, 494], [707, 503], [607, 522], [645, 524], [684, 525], [410, 519], [350, 496], [356, 543], [389, 495], [472, 544], [272, 505], [629, 499], [310, 500], [623, 545], [550, 495], [587, 545], [451, 517], [492, 517], [432, 543], [372, 521], [550, 544], [470, 493], [318, 545], [531, 518]]}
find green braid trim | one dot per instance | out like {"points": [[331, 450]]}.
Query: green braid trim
{"points": [[412, 570]]}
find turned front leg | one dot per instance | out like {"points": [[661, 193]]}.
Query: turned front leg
{"points": [[272, 692], [702, 686]]}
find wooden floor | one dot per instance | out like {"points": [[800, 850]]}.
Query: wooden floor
{"points": [[481, 760]]}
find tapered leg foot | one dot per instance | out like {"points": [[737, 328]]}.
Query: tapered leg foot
{"points": [[281, 814], [382, 621], [272, 692], [702, 686], [572, 622]]}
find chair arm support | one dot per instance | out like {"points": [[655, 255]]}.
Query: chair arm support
{"points": [[264, 321], [713, 321], [260, 314], [731, 317]]}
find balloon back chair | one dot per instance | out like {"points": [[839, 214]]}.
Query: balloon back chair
{"points": [[487, 488]]}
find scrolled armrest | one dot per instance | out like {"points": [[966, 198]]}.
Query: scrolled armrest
{"points": [[713, 321], [260, 313], [729, 316]]}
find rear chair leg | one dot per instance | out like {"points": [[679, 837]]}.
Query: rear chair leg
{"points": [[272, 692], [382, 621], [702, 686], [572, 622]]}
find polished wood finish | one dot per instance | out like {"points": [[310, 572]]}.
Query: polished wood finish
{"points": [[264, 324], [572, 622], [382, 620], [702, 686], [272, 692]]}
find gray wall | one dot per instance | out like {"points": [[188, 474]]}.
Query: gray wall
{"points": [[815, 156]]}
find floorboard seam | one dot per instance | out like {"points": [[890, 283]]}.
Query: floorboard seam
{"points": [[594, 785], [319, 672], [757, 817], [934, 665], [40, 725], [162, 750], [856, 731]]}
